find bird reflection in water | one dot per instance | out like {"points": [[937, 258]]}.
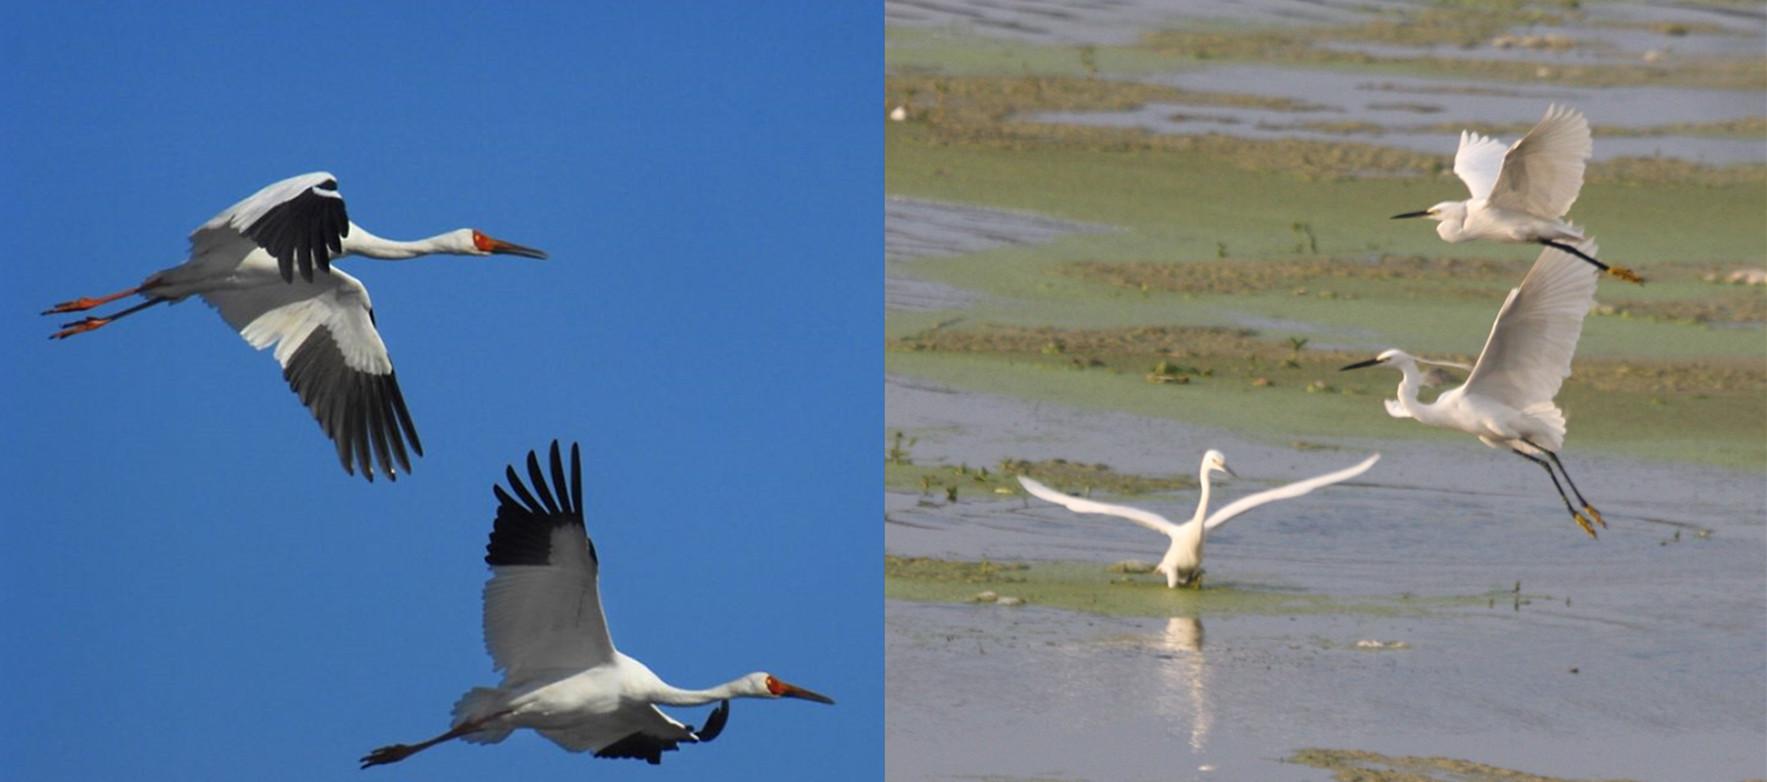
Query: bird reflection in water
{"points": [[1184, 670]]}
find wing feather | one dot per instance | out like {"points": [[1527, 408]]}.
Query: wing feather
{"points": [[335, 362], [1543, 172], [1528, 353], [1147, 519], [300, 221], [542, 602], [1296, 489], [1478, 163]]}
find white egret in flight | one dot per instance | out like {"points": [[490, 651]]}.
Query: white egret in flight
{"points": [[1506, 401], [1184, 558], [545, 630], [1521, 194], [243, 264]]}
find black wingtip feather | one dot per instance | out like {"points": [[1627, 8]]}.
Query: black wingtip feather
{"points": [[522, 532]]}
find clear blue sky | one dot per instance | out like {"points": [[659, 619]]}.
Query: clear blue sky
{"points": [[192, 587]]}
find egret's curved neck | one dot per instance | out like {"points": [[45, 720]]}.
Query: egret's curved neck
{"points": [[1409, 383], [1452, 228], [1202, 500], [361, 242], [675, 696]]}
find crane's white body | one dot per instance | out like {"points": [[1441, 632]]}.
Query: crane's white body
{"points": [[1183, 561], [544, 628], [1520, 193], [243, 262]]}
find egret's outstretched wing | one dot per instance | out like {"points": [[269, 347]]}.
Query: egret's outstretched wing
{"points": [[1148, 519], [334, 360], [542, 604], [1543, 172], [299, 221], [1528, 354], [1295, 489], [1478, 162]]}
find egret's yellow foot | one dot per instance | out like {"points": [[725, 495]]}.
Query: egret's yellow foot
{"points": [[1594, 514], [1584, 523], [1625, 274]]}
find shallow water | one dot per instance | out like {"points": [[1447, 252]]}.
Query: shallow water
{"points": [[916, 230], [1398, 105], [1669, 637], [1113, 21]]}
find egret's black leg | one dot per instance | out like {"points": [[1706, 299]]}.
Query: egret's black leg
{"points": [[90, 323], [1587, 508], [1617, 271], [1575, 515]]}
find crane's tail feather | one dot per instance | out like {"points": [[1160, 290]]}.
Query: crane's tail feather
{"points": [[479, 703]]}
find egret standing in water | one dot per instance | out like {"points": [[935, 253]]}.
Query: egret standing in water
{"points": [[1183, 563], [1507, 399], [1522, 194]]}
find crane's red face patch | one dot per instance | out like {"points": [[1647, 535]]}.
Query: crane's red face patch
{"points": [[775, 686], [483, 242]]}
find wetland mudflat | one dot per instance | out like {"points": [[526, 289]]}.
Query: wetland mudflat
{"points": [[1439, 618]]}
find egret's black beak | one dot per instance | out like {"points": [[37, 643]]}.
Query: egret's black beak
{"points": [[1424, 213], [1360, 364]]}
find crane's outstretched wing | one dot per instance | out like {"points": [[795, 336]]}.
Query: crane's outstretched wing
{"points": [[1543, 172], [542, 604], [334, 360], [645, 738], [1478, 162], [1528, 354], [299, 221], [1148, 519], [1296, 489]]}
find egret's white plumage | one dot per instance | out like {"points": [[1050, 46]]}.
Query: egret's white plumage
{"points": [[546, 632], [1184, 557], [1507, 400], [1521, 193], [244, 263]]}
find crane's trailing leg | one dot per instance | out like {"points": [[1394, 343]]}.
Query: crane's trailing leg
{"points": [[1575, 514], [393, 753], [1587, 508], [84, 303], [90, 323], [1617, 271]]}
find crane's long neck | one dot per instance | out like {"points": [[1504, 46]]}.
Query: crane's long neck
{"points": [[361, 242], [675, 696]]}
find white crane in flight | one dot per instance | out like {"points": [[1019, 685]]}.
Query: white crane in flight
{"points": [[545, 630], [243, 263]]}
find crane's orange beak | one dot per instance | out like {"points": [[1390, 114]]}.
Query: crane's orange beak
{"points": [[487, 244], [784, 690]]}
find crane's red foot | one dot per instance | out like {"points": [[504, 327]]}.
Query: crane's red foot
{"points": [[85, 303], [79, 327], [1584, 523], [392, 753], [1625, 274], [1594, 514]]}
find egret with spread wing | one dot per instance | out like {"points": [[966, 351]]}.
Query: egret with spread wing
{"points": [[1521, 194], [1183, 563], [1506, 401], [244, 262], [545, 630]]}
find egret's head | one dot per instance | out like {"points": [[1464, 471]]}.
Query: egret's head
{"points": [[1447, 210], [766, 685], [469, 241], [1215, 461], [1391, 357]]}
